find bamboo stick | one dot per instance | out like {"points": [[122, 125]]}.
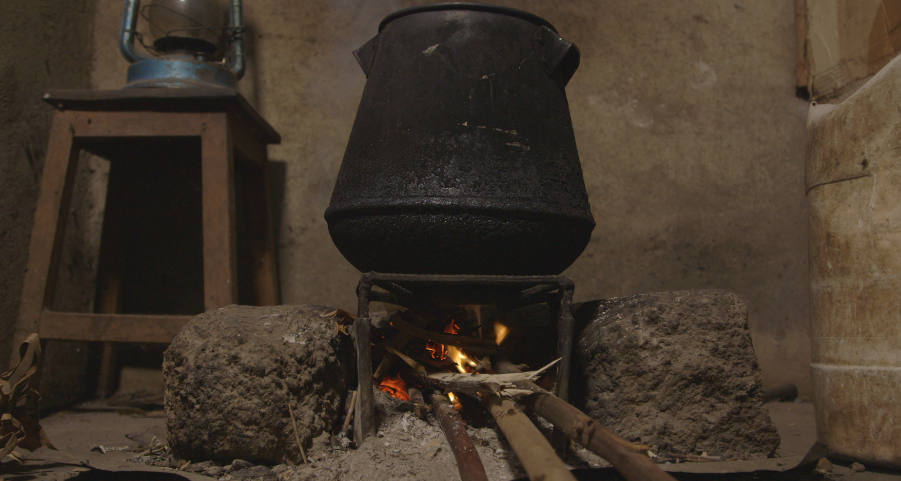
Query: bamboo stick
{"points": [[629, 459], [531, 447], [468, 461]]}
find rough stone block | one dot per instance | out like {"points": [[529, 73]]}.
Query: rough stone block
{"points": [[231, 374], [673, 370]]}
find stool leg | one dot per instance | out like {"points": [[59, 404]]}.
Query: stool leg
{"points": [[108, 303], [220, 279], [49, 226], [106, 377], [110, 268], [261, 235]]}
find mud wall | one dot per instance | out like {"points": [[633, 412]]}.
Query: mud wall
{"points": [[690, 136], [47, 44]]}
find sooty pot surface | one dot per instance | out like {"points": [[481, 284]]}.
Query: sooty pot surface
{"points": [[462, 158]]}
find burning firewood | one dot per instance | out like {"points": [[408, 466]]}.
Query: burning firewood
{"points": [[397, 343], [498, 383], [482, 346], [628, 458]]}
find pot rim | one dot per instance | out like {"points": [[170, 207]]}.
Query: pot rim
{"points": [[478, 7]]}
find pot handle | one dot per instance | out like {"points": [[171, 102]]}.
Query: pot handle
{"points": [[366, 54], [559, 57]]}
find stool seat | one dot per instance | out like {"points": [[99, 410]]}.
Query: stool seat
{"points": [[205, 146]]}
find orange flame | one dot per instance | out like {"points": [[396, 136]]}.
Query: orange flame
{"points": [[500, 333], [454, 399], [441, 352], [464, 363], [395, 386]]}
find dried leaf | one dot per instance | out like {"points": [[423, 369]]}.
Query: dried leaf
{"points": [[340, 315], [17, 401], [500, 384], [17, 456], [342, 328], [342, 319]]}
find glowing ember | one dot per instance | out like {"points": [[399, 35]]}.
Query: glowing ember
{"points": [[454, 399], [500, 333], [395, 386], [439, 351]]}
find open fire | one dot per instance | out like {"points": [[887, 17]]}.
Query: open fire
{"points": [[446, 355], [443, 345], [441, 352]]}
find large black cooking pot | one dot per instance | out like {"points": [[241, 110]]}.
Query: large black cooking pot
{"points": [[462, 158]]}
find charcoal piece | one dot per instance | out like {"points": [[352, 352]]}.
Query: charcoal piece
{"points": [[225, 397], [673, 370]]}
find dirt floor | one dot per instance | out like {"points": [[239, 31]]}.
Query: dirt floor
{"points": [[406, 448]]}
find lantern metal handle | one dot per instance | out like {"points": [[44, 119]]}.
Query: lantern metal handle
{"points": [[236, 23], [127, 32]]}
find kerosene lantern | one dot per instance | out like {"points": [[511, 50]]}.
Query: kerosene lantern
{"points": [[192, 42]]}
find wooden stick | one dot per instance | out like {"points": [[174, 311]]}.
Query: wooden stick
{"points": [[531, 447], [418, 368], [480, 346], [399, 343], [629, 459], [419, 406], [350, 412], [364, 417], [468, 461]]}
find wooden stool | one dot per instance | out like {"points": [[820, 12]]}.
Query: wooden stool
{"points": [[161, 259]]}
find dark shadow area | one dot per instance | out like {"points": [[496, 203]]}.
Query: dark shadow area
{"points": [[99, 475], [277, 175], [610, 474]]}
